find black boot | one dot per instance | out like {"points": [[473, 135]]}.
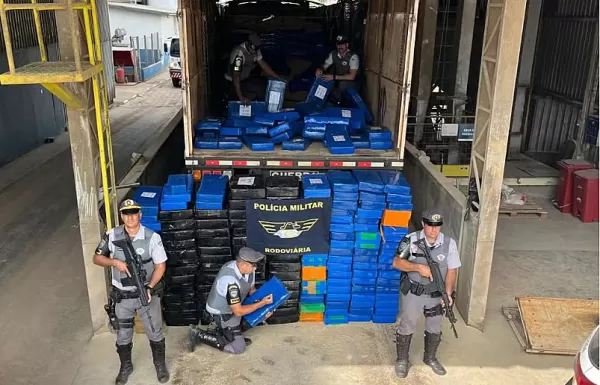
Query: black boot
{"points": [[158, 356], [432, 341], [126, 364], [207, 337], [402, 350]]}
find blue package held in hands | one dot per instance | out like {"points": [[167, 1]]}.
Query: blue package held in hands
{"points": [[275, 94], [273, 287], [319, 92]]}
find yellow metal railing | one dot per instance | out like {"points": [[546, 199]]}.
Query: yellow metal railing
{"points": [[53, 75]]}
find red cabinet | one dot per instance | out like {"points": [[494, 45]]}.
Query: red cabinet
{"points": [[567, 167], [585, 195]]}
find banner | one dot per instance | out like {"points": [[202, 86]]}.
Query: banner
{"points": [[298, 226]]}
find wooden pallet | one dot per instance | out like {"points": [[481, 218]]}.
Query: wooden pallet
{"points": [[556, 325], [528, 210]]}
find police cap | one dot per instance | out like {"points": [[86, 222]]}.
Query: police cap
{"points": [[249, 255], [341, 39], [254, 39], [432, 217], [129, 204]]}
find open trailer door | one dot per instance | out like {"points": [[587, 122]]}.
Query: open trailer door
{"points": [[389, 51], [195, 20]]}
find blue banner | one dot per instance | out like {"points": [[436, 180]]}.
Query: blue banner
{"points": [[298, 226]]}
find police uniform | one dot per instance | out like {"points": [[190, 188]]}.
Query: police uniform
{"points": [[420, 295], [149, 248], [230, 287], [243, 62], [341, 65]]}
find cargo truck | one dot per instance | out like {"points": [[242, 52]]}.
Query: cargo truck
{"points": [[383, 34]]}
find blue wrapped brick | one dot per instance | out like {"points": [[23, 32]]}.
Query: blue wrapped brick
{"points": [[316, 186], [241, 110]]}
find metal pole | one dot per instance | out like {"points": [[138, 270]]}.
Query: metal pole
{"points": [[152, 48]]}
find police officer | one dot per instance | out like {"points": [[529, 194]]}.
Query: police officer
{"points": [[419, 294], [234, 282], [242, 61], [344, 67], [148, 246]]}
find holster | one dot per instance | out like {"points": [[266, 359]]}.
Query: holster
{"points": [[112, 315], [434, 311], [407, 285]]}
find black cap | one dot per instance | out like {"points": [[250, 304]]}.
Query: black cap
{"points": [[341, 39], [432, 217], [129, 204], [249, 255], [254, 39]]}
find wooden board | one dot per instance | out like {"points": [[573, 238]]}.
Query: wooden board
{"points": [[557, 325], [527, 210]]}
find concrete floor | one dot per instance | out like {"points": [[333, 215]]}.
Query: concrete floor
{"points": [[45, 322], [533, 257]]}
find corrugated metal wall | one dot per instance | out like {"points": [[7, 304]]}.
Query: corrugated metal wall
{"points": [[565, 46], [28, 114], [105, 38]]}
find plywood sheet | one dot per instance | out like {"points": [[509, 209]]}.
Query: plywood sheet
{"points": [[557, 325]]}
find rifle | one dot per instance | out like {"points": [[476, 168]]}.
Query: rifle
{"points": [[136, 269], [439, 283]]}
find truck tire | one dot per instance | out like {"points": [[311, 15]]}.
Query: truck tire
{"points": [[176, 82]]}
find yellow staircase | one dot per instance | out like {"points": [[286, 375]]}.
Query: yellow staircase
{"points": [[54, 75]]}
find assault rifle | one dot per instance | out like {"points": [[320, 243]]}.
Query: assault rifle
{"points": [[439, 283], [136, 269]]}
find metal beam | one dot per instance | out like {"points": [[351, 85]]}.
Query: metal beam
{"points": [[500, 60], [463, 60], [84, 154]]}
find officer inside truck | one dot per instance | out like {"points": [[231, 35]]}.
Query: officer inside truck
{"points": [[340, 66], [242, 61]]}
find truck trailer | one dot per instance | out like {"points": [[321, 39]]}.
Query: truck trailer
{"points": [[382, 32]]}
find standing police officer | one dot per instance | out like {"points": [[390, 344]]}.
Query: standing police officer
{"points": [[344, 64], [234, 282], [419, 293], [242, 60], [149, 248]]}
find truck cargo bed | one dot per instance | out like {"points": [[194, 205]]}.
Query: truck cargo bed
{"points": [[315, 156]]}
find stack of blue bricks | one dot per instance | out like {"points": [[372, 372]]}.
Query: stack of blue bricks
{"points": [[263, 125], [367, 243], [177, 192], [212, 191], [387, 295], [339, 263], [149, 198]]}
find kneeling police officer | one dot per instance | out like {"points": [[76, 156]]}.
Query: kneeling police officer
{"points": [[124, 295], [419, 292], [234, 282]]}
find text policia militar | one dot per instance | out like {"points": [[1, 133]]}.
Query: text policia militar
{"points": [[288, 207]]}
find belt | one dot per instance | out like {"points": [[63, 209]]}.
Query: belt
{"points": [[417, 289], [125, 294]]}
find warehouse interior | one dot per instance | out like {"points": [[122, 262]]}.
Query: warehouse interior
{"points": [[494, 63]]}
